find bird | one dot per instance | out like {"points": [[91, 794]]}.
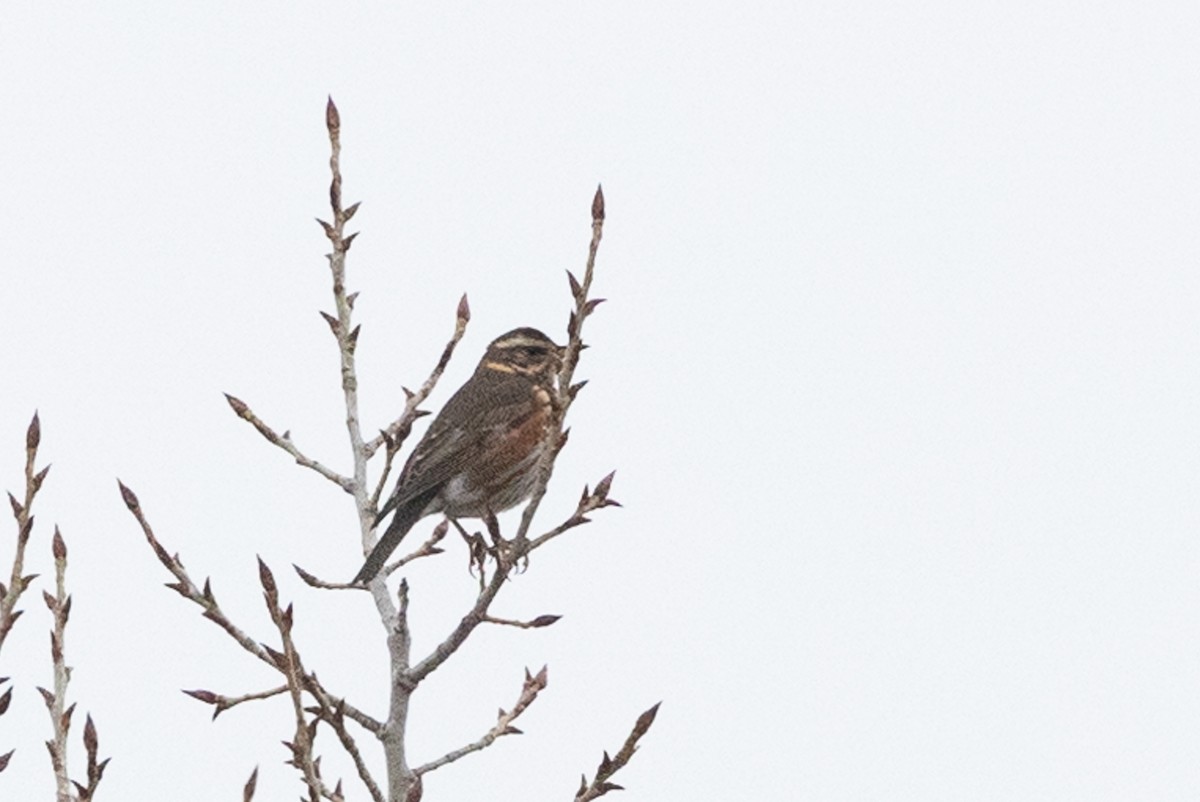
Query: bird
{"points": [[480, 454]]}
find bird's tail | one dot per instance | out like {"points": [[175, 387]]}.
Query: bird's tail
{"points": [[406, 516]]}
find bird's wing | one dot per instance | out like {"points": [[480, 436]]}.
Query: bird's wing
{"points": [[483, 410]]}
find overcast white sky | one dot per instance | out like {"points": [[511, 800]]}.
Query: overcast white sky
{"points": [[898, 373]]}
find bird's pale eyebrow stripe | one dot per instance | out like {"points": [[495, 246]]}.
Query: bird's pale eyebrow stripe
{"points": [[517, 342]]}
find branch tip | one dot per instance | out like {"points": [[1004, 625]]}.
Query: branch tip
{"points": [[248, 790], [333, 120], [33, 435], [59, 546], [266, 577], [130, 499]]}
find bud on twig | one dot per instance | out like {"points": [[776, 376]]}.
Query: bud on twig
{"points": [[238, 405], [248, 791], [40, 477], [266, 578], [208, 697], [127, 495], [603, 486], [91, 742], [333, 120], [33, 435]]}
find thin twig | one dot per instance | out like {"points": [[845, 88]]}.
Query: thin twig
{"points": [[56, 700], [427, 549], [590, 500], [557, 437], [95, 767], [609, 766], [222, 703], [288, 662], [284, 441], [474, 617], [316, 582], [18, 582], [389, 456], [60, 715], [530, 689], [342, 324], [534, 623], [391, 733], [206, 599], [331, 713], [398, 429]]}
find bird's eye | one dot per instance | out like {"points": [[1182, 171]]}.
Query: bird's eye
{"points": [[534, 351]]}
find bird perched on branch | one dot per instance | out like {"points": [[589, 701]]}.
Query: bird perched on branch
{"points": [[481, 453]]}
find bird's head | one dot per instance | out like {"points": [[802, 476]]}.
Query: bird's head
{"points": [[526, 351]]}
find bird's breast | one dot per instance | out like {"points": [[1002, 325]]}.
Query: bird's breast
{"points": [[505, 472]]}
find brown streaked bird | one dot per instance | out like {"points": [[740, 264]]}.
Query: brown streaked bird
{"points": [[481, 452]]}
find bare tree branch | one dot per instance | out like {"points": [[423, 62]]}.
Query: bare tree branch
{"points": [[95, 767], [60, 715], [533, 685], [536, 623], [589, 501], [391, 733], [333, 716], [404, 784], [344, 331], [289, 663], [332, 712], [206, 599], [18, 582], [427, 549], [222, 703], [466, 626], [317, 582], [399, 429], [610, 766], [284, 441]]}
